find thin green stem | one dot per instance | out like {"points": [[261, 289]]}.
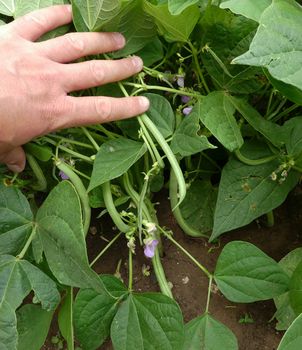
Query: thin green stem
{"points": [[81, 190], [115, 216], [260, 161], [101, 128], [105, 249], [72, 142], [286, 112], [170, 238], [297, 168], [130, 271], [270, 221], [41, 184], [209, 294], [90, 138], [268, 108], [28, 243], [177, 213]]}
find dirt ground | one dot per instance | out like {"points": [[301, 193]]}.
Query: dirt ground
{"points": [[190, 285]]}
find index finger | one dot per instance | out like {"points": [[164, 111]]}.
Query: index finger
{"points": [[34, 24]]}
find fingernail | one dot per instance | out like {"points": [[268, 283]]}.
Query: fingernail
{"points": [[137, 62], [15, 168], [144, 102], [119, 39]]}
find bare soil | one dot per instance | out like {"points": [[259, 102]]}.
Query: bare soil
{"points": [[190, 285]]}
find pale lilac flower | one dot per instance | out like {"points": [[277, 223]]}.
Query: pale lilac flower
{"points": [[187, 110], [181, 81], [150, 247], [185, 99], [63, 176]]}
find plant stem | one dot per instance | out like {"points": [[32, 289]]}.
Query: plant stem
{"points": [[202, 268], [103, 251], [130, 271], [177, 213], [90, 138], [28, 243], [81, 190], [163, 88], [270, 219], [171, 157], [209, 294], [115, 216], [248, 161], [41, 184], [73, 142]]}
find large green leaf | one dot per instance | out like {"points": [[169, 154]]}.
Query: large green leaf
{"points": [[17, 279], [93, 312], [186, 139], [161, 113], [245, 274], [33, 326], [94, 13], [15, 220], [205, 333], [8, 7], [23, 7], [146, 322], [177, 6], [174, 28], [293, 140], [198, 207], [292, 339], [65, 318], [295, 291], [152, 52], [285, 313], [277, 44], [249, 8], [217, 114], [60, 229], [247, 192], [113, 159]]}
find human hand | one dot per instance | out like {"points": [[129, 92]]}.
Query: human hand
{"points": [[35, 81]]}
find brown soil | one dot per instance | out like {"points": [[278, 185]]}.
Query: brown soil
{"points": [[190, 285]]}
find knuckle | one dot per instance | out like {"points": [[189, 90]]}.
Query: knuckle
{"points": [[96, 71], [75, 42], [103, 109], [40, 20]]}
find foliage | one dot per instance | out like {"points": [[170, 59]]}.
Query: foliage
{"points": [[223, 133]]}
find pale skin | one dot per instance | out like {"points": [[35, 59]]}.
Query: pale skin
{"points": [[35, 80]]}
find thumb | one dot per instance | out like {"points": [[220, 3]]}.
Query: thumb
{"points": [[15, 159]]}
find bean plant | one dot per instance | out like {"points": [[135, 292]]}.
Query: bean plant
{"points": [[223, 134]]}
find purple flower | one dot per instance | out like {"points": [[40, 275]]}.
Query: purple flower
{"points": [[63, 176], [187, 110], [185, 99], [150, 247], [181, 81]]}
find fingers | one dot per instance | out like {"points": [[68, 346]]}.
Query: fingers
{"points": [[35, 24], [14, 159], [72, 46], [88, 74], [94, 110]]}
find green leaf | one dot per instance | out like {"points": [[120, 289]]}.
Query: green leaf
{"points": [[136, 25], [292, 339], [15, 220], [43, 153], [293, 141], [186, 139], [161, 113], [65, 318], [247, 192], [245, 274], [94, 312], [177, 6], [93, 14], [113, 159], [33, 326], [295, 289], [152, 52], [8, 7], [285, 314], [205, 333], [60, 229], [18, 278], [277, 44], [174, 28], [252, 9], [24, 7], [148, 321], [198, 207], [217, 114]]}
